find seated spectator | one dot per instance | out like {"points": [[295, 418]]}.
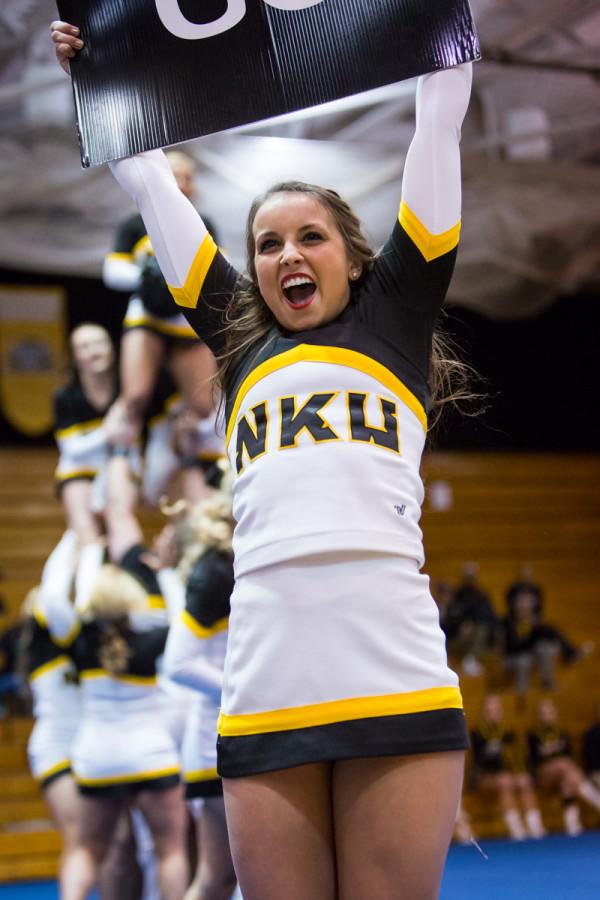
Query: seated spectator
{"points": [[470, 622], [498, 775], [554, 769], [529, 643], [524, 581], [591, 750]]}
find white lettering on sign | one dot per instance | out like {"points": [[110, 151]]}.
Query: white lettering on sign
{"points": [[174, 21]]}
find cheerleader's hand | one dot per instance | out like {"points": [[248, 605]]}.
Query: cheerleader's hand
{"points": [[119, 429], [184, 435], [67, 43]]}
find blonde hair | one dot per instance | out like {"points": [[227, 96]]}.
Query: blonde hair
{"points": [[208, 525], [114, 595]]}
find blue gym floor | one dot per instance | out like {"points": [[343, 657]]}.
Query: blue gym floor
{"points": [[556, 868]]}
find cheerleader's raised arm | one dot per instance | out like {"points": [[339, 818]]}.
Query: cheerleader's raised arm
{"points": [[431, 187]]}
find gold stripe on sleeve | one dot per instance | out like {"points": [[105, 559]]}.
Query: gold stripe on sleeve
{"points": [[125, 257], [430, 245], [156, 601], [340, 711], [69, 637], [142, 246], [199, 630], [39, 617], [188, 294]]}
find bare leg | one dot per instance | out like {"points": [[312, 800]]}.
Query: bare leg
{"points": [[216, 876], [120, 874], [393, 824], [62, 799], [502, 786], [166, 816], [533, 816], [98, 817], [77, 504], [192, 368], [281, 833], [142, 353]]}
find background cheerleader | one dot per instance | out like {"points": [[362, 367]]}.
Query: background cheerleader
{"points": [[123, 754], [56, 706], [194, 657]]}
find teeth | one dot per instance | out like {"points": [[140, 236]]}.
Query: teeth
{"points": [[297, 281]]}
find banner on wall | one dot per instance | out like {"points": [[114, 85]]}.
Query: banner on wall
{"points": [[32, 355], [158, 72]]}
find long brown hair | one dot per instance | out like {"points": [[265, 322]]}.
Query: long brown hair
{"points": [[249, 319]]}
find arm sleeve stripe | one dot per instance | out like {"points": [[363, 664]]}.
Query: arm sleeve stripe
{"points": [[69, 637], [188, 294], [156, 601], [142, 246], [199, 630], [430, 245], [126, 257]]}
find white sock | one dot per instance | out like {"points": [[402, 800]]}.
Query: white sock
{"points": [[535, 826], [515, 826], [572, 821]]}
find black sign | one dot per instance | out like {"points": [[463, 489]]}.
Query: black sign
{"points": [[157, 72]]}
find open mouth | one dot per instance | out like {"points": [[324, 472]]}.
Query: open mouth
{"points": [[299, 290]]}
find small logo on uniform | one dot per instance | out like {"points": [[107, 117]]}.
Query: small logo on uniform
{"points": [[400, 510]]}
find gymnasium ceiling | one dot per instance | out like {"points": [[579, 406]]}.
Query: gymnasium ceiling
{"points": [[531, 151]]}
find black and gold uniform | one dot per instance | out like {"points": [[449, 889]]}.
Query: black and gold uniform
{"points": [[194, 657], [51, 674], [151, 306], [325, 432], [493, 748], [123, 743], [545, 743], [56, 707], [79, 431], [79, 434]]}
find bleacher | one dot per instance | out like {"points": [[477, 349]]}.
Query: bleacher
{"points": [[504, 509]]}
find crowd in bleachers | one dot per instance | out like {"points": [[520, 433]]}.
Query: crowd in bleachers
{"points": [[519, 656]]}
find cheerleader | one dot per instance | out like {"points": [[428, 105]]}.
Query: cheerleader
{"points": [[79, 410], [194, 657], [155, 333], [496, 772], [56, 707], [123, 754], [342, 732]]}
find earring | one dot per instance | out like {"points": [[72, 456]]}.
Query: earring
{"points": [[354, 273]]}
